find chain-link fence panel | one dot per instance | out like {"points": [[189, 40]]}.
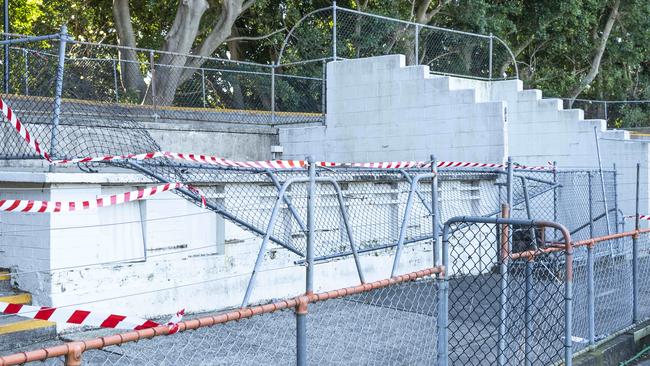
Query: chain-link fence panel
{"points": [[506, 294], [643, 252], [392, 321], [395, 325]]}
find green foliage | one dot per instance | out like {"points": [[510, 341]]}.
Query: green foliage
{"points": [[554, 40]]}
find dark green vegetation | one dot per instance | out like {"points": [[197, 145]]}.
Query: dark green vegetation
{"points": [[589, 49]]}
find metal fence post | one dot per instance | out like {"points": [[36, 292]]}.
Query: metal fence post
{"points": [[443, 299], [416, 53], [205, 102], [153, 83], [635, 252], [591, 301], [115, 84], [616, 200], [334, 40], [530, 264], [6, 59], [555, 191], [435, 213], [503, 267], [606, 114], [26, 76], [602, 182], [311, 197], [490, 60], [273, 93], [323, 96], [301, 331], [63, 38]]}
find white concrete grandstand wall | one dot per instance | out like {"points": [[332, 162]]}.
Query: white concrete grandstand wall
{"points": [[379, 109]]}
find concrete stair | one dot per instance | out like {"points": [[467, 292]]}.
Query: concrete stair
{"points": [[17, 331]]}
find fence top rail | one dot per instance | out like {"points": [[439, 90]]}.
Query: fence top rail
{"points": [[406, 22], [192, 324], [600, 239]]}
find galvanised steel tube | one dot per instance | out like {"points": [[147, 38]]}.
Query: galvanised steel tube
{"points": [[292, 209], [301, 331], [591, 293], [348, 227], [311, 196], [407, 214], [528, 317], [591, 299], [506, 239], [635, 252], [443, 299], [63, 38], [435, 213], [265, 241]]}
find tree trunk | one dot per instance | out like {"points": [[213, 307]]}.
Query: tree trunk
{"points": [[595, 62], [130, 74], [179, 39]]}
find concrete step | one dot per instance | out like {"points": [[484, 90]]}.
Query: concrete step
{"points": [[17, 331]]}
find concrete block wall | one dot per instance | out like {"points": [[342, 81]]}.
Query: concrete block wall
{"points": [[541, 130], [379, 109]]}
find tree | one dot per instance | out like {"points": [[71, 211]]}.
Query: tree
{"points": [[601, 42], [192, 31]]}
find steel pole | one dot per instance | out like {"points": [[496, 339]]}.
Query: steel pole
{"points": [[273, 94], [616, 222], [311, 197], [635, 251], [334, 26], [503, 268], [435, 212], [26, 76], [602, 180], [203, 87], [115, 83], [301, 332], [63, 38], [490, 61], [6, 46], [416, 52]]}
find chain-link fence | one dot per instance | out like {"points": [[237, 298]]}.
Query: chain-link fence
{"points": [[618, 113], [340, 33], [508, 292], [392, 321]]}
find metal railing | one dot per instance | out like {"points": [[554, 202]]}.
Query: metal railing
{"points": [[626, 114], [156, 85], [347, 34]]}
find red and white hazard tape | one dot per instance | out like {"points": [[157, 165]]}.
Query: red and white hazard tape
{"points": [[268, 164], [22, 131], [84, 317], [641, 217], [103, 201], [293, 164]]}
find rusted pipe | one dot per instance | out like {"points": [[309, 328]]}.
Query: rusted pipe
{"points": [[70, 350]]}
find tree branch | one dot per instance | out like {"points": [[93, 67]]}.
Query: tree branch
{"points": [[131, 77], [244, 38], [595, 63]]}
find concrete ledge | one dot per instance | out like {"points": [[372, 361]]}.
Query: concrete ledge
{"points": [[617, 349]]}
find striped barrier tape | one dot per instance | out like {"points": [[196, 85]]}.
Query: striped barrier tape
{"points": [[13, 119], [268, 164], [102, 201], [294, 164], [84, 317], [641, 217]]}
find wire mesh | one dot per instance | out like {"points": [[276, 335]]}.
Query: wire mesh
{"points": [[395, 325], [644, 275], [506, 295]]}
